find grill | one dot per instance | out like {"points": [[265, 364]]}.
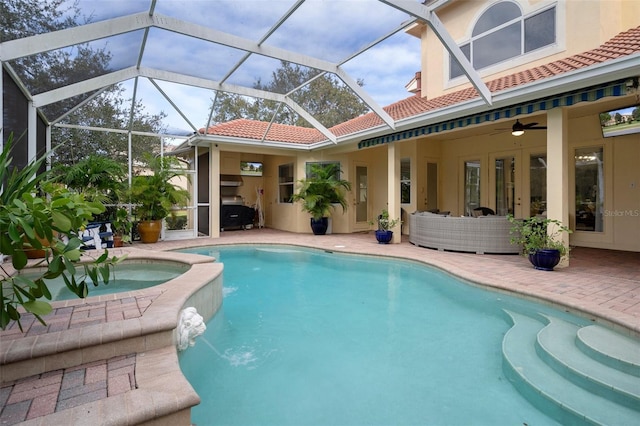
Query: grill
{"points": [[233, 212], [231, 200]]}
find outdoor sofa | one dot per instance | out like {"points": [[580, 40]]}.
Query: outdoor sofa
{"points": [[480, 235]]}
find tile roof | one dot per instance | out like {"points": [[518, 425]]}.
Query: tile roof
{"points": [[252, 129], [624, 44]]}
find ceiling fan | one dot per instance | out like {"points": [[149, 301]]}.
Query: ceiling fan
{"points": [[518, 128]]}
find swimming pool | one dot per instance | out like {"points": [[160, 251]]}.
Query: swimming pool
{"points": [[310, 337], [125, 277]]}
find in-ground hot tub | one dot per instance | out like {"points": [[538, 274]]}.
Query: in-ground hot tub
{"points": [[126, 276]]}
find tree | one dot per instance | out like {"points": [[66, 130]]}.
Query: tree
{"points": [[50, 70], [618, 118], [97, 177], [111, 110], [325, 98]]}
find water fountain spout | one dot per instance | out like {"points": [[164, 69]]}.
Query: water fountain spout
{"points": [[190, 325]]}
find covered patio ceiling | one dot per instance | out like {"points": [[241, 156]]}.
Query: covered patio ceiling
{"points": [[175, 56]]}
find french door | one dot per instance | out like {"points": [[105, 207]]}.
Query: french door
{"points": [[505, 185], [361, 193]]}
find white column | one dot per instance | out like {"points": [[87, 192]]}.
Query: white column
{"points": [[214, 191], [32, 140], [393, 189], [558, 163]]}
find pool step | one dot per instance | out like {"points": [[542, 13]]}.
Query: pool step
{"points": [[547, 367], [556, 345], [618, 351]]}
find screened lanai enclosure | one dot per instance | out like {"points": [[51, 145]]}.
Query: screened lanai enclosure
{"points": [[287, 83], [122, 78]]}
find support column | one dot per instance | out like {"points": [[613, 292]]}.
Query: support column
{"points": [[32, 134], [214, 194], [558, 171], [393, 189]]}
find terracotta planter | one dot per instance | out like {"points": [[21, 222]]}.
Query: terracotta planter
{"points": [[149, 230], [117, 241], [38, 253]]}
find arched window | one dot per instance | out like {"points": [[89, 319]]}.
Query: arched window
{"points": [[502, 33]]}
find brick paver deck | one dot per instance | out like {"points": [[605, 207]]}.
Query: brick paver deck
{"points": [[78, 314], [47, 393], [601, 283]]}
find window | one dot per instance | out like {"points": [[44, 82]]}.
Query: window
{"points": [[323, 164], [285, 183], [331, 169], [589, 189], [537, 184], [405, 180], [502, 33], [471, 186]]}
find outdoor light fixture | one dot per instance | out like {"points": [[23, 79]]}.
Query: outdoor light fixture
{"points": [[517, 129]]}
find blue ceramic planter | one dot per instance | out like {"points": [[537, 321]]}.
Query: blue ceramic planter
{"points": [[545, 259], [319, 227], [383, 236]]}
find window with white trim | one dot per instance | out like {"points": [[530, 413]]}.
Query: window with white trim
{"points": [[405, 180], [502, 33], [285, 183]]}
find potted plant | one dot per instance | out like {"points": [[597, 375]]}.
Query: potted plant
{"points": [[155, 194], [540, 240], [319, 193], [384, 233], [121, 227], [36, 213]]}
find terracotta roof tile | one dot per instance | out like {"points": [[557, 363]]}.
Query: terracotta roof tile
{"points": [[623, 44], [251, 129]]}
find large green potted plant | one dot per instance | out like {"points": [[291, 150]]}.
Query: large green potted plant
{"points": [[38, 214], [154, 194], [540, 239], [319, 192]]}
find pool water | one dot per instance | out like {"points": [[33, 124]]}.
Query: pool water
{"points": [[124, 277], [306, 337]]}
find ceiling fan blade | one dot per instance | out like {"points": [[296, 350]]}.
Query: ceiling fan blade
{"points": [[521, 127]]}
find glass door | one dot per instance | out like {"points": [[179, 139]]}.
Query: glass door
{"points": [[431, 198], [362, 196], [471, 186], [506, 181]]}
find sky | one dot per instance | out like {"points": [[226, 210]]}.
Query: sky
{"points": [[330, 30]]}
